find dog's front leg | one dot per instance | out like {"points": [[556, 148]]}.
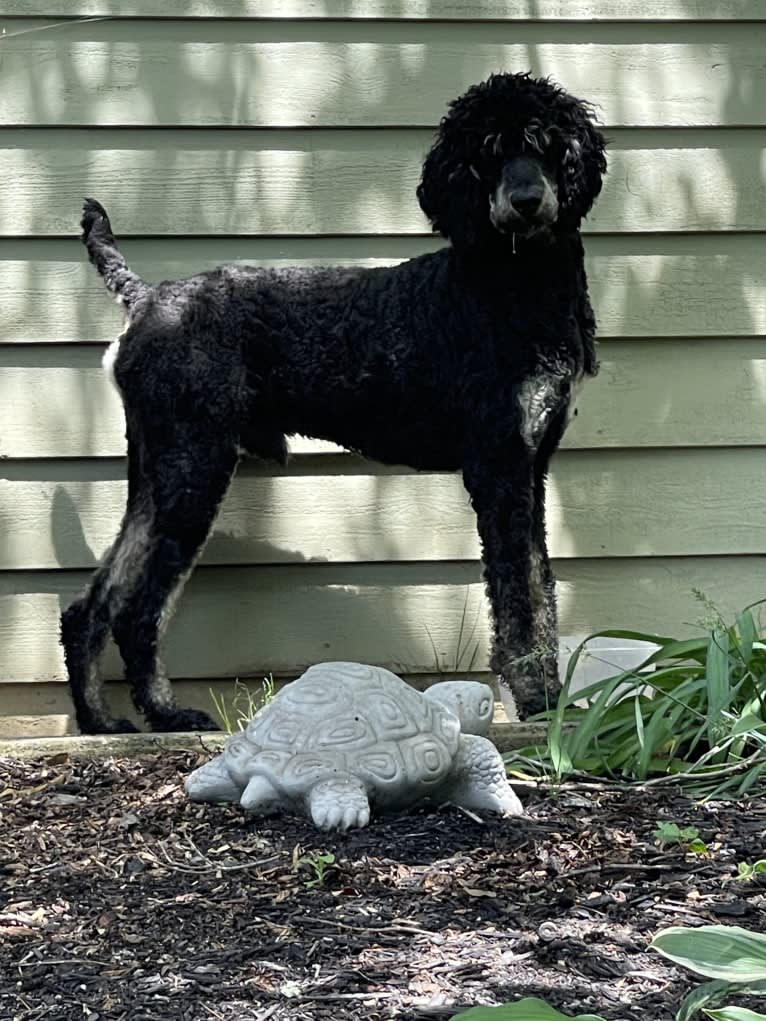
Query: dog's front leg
{"points": [[510, 520]]}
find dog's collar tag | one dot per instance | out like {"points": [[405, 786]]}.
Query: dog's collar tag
{"points": [[513, 243]]}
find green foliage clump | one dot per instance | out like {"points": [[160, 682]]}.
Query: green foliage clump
{"points": [[694, 711], [244, 704]]}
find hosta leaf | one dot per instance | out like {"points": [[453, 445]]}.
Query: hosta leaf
{"points": [[716, 951], [528, 1009], [735, 1014], [712, 993]]}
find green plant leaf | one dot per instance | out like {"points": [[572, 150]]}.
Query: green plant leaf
{"points": [[697, 846], [711, 993], [747, 870], [715, 951], [639, 720], [747, 634], [528, 1009], [689, 833], [717, 677], [667, 832], [747, 724], [735, 1014]]}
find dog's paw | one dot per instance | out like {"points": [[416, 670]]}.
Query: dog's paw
{"points": [[107, 726], [124, 727], [181, 721]]}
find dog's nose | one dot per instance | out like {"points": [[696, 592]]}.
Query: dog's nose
{"points": [[527, 202]]}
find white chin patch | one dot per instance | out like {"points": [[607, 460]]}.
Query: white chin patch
{"points": [[110, 357]]}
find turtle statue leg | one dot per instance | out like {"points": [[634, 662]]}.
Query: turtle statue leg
{"points": [[212, 782], [339, 803], [478, 779], [261, 797]]}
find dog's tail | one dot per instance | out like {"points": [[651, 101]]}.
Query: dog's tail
{"points": [[102, 248]]}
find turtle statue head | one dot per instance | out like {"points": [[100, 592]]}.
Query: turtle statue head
{"points": [[473, 703], [346, 738]]}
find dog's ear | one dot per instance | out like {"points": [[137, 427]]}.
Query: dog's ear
{"points": [[584, 161], [450, 192]]}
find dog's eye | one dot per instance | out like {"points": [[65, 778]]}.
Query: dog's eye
{"points": [[536, 138], [571, 152], [491, 148]]}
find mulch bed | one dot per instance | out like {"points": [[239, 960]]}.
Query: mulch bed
{"points": [[121, 900]]}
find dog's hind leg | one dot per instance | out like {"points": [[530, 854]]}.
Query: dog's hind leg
{"points": [[84, 631], [86, 622], [188, 479]]}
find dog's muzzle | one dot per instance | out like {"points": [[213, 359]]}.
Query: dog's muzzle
{"points": [[524, 201]]}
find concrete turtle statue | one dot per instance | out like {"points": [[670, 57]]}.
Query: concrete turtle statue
{"points": [[345, 737]]}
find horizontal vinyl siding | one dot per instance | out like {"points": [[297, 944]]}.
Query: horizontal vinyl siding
{"points": [[328, 73], [655, 393], [414, 618], [215, 134], [649, 286], [601, 504], [355, 181], [460, 10]]}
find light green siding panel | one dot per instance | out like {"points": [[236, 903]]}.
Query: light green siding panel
{"points": [[661, 286], [346, 73], [605, 504], [248, 621], [346, 182], [57, 402], [462, 10]]}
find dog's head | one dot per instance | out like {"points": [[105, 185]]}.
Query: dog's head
{"points": [[514, 156]]}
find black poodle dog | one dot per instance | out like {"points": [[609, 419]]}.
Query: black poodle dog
{"points": [[461, 360]]}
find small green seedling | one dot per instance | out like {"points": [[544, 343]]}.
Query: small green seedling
{"points": [[687, 838], [319, 862], [747, 871]]}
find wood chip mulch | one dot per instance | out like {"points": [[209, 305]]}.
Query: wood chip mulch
{"points": [[122, 901]]}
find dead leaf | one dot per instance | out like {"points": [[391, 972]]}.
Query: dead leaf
{"points": [[473, 891]]}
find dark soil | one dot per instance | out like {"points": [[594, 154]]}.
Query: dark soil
{"points": [[121, 901]]}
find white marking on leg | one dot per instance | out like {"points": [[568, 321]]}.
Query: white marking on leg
{"points": [[174, 595], [537, 594], [110, 357]]}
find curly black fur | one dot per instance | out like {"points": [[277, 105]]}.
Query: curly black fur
{"points": [[462, 360]]}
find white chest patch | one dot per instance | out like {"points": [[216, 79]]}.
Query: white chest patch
{"points": [[110, 357], [542, 397], [536, 401]]}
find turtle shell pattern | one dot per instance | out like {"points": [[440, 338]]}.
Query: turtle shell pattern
{"points": [[341, 718]]}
